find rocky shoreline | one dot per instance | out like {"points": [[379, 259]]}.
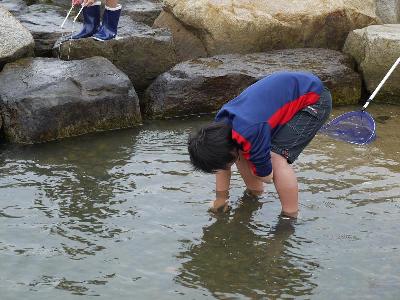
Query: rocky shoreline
{"points": [[182, 57]]}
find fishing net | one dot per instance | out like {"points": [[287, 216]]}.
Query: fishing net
{"points": [[356, 127]]}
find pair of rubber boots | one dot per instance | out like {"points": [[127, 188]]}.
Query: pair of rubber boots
{"points": [[91, 23]]}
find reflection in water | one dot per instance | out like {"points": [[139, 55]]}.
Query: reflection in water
{"points": [[77, 183], [106, 214], [237, 255]]}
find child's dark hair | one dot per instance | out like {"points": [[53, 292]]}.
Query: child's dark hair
{"points": [[211, 148]]}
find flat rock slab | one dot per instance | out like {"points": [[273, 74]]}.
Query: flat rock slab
{"points": [[203, 85], [139, 51], [376, 48], [44, 21], [16, 40], [43, 99], [144, 11], [14, 6]]}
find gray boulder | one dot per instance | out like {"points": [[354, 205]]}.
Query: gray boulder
{"points": [[43, 99], [204, 85], [376, 48], [16, 40], [144, 11], [14, 6], [139, 51], [44, 21]]}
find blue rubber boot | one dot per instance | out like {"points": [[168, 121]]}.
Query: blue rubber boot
{"points": [[108, 28], [91, 21]]}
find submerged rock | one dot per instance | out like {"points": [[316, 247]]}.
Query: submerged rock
{"points": [[14, 6], [204, 85], [44, 22], [247, 26], [376, 48], [44, 99], [139, 51], [144, 11], [16, 40]]}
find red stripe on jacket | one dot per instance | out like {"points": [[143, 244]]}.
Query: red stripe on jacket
{"points": [[246, 147], [286, 112]]}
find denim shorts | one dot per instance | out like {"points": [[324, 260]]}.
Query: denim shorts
{"points": [[291, 139]]}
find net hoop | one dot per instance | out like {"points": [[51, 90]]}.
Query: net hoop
{"points": [[362, 114]]}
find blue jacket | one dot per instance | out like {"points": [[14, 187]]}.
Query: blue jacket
{"points": [[261, 109]]}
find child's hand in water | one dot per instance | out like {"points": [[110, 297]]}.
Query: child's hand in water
{"points": [[219, 205]]}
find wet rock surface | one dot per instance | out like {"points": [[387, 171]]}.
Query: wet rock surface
{"points": [[13, 6], [248, 26], [204, 85], [61, 3], [139, 51], [44, 22], [375, 49], [16, 40], [144, 11], [43, 99]]}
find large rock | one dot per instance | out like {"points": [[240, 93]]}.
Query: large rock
{"points": [[204, 85], [16, 40], [14, 6], [247, 26], [145, 11], [141, 52], [388, 11], [375, 49], [44, 21], [45, 99], [187, 44]]}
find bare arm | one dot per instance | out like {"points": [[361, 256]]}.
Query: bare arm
{"points": [[222, 182]]}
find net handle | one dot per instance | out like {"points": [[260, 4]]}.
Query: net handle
{"points": [[381, 84], [65, 19]]}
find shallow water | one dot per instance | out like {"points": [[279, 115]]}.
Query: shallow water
{"points": [[121, 215]]}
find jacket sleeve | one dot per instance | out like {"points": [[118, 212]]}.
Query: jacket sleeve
{"points": [[256, 145]]}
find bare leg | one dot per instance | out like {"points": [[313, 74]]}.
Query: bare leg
{"points": [[286, 184], [112, 3], [254, 185]]}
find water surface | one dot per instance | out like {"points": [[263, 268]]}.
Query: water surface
{"points": [[121, 215]]}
